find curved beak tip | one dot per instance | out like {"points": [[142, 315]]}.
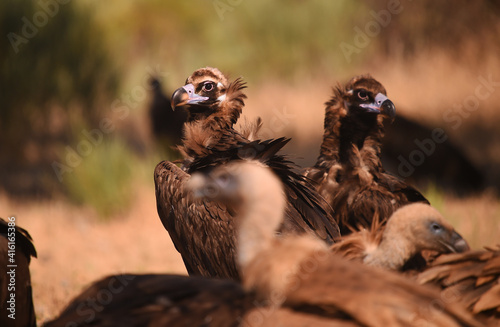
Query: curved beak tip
{"points": [[461, 245], [388, 108], [179, 98]]}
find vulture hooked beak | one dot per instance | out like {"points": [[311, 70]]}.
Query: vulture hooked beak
{"points": [[186, 95], [382, 104], [457, 244]]}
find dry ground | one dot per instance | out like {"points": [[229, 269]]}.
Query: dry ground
{"points": [[74, 248]]}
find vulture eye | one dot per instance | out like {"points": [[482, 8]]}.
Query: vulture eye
{"points": [[208, 86], [436, 228], [224, 179], [363, 95]]}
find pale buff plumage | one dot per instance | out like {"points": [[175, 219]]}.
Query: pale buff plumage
{"points": [[410, 230], [300, 273]]}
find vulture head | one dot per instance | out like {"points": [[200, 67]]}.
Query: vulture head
{"points": [[355, 112], [411, 229], [365, 98], [207, 91]]}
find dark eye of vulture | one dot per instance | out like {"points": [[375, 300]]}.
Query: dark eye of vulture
{"points": [[208, 86], [362, 94], [436, 228], [203, 231]]}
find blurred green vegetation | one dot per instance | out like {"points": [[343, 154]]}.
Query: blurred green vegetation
{"points": [[258, 39], [53, 57], [104, 179], [65, 71], [435, 195], [56, 74]]}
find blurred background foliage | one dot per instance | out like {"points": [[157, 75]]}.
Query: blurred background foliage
{"points": [[90, 61]]}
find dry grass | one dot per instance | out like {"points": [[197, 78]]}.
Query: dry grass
{"points": [[74, 248], [476, 218]]}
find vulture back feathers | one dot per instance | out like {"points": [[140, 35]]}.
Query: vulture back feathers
{"points": [[157, 300], [471, 279], [349, 172], [300, 273], [203, 231]]}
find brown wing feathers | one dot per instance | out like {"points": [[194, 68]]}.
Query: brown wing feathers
{"points": [[471, 278], [192, 223]]}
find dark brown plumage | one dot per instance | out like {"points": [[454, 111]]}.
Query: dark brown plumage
{"points": [[348, 172], [300, 273], [471, 279], [157, 300], [446, 163], [166, 124], [24, 249], [410, 230], [203, 231]]}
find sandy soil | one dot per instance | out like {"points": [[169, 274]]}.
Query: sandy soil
{"points": [[74, 248]]}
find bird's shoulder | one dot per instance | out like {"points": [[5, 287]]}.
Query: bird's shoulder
{"points": [[23, 239]]}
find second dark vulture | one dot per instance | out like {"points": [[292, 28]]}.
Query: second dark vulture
{"points": [[349, 172]]}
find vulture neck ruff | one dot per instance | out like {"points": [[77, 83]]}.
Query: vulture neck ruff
{"points": [[344, 128], [204, 130]]}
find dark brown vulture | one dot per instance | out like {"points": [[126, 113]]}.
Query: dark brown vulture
{"points": [[348, 172], [301, 274], [446, 164], [471, 279], [166, 124], [201, 230], [15, 277], [410, 230], [157, 300]]}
